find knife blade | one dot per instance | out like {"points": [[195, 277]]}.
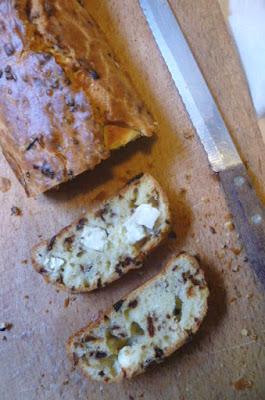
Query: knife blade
{"points": [[247, 210]]}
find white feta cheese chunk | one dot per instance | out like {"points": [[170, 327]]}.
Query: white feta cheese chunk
{"points": [[134, 232], [94, 238], [130, 357], [54, 263], [146, 215]]}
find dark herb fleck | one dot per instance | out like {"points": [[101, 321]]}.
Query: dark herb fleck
{"points": [[94, 75], [99, 283], [150, 326], [75, 359], [29, 147], [47, 171], [158, 352], [133, 304], [9, 49], [51, 243], [213, 231], [1, 73], [100, 354], [6, 326], [43, 271], [118, 270], [101, 373], [68, 242], [81, 224], [9, 74], [135, 178], [118, 305], [89, 338], [16, 211]]}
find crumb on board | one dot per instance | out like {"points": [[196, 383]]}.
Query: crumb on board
{"points": [[4, 338], [213, 230], [5, 326], [244, 332], [26, 297], [5, 184], [16, 211], [229, 226], [249, 296], [243, 384], [236, 250], [24, 261], [66, 302]]}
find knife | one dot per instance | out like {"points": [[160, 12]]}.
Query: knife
{"points": [[246, 208]]}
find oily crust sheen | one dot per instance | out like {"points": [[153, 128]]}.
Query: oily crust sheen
{"points": [[144, 327], [97, 249], [65, 102]]}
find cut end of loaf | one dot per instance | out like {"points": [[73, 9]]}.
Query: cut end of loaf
{"points": [[145, 327], [105, 243]]}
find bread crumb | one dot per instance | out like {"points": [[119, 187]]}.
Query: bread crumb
{"points": [[212, 229], [249, 296], [24, 261], [5, 185], [4, 338], [5, 326], [242, 384], [66, 302], [16, 211], [244, 332], [229, 226], [236, 250], [232, 300]]}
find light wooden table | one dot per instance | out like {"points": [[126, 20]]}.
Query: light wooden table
{"points": [[230, 345]]}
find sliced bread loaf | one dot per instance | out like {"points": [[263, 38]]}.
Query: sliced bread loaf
{"points": [[149, 324], [108, 240]]}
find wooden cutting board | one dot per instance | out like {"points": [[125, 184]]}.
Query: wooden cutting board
{"points": [[226, 360]]}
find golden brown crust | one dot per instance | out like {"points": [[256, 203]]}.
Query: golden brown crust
{"points": [[146, 249], [134, 294], [65, 102]]}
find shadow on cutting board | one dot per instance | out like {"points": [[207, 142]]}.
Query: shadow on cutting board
{"points": [[162, 150], [89, 180]]}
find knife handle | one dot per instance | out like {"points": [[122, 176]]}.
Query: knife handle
{"points": [[249, 215]]}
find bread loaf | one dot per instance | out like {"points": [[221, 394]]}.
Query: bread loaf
{"points": [[144, 327], [107, 241], [65, 101]]}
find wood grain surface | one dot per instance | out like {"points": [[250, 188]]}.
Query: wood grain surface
{"points": [[226, 360]]}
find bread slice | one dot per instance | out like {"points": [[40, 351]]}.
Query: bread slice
{"points": [[146, 326], [107, 241], [65, 101]]}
